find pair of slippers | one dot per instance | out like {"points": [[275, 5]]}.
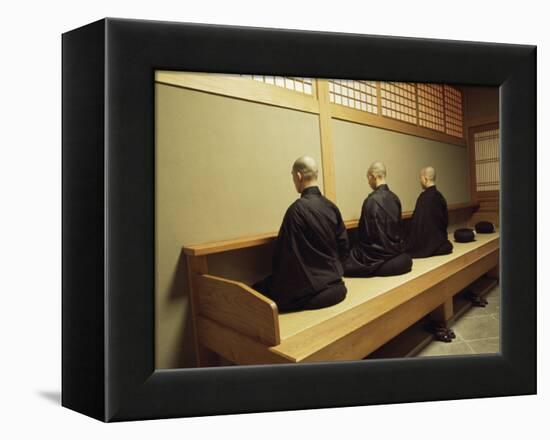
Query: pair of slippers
{"points": [[440, 332], [465, 235], [476, 300]]}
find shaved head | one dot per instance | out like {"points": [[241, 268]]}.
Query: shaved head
{"points": [[377, 169], [307, 167], [429, 173]]}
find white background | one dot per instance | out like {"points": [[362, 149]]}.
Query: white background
{"points": [[30, 216]]}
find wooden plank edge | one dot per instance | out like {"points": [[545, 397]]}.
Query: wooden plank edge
{"points": [[369, 119], [236, 87]]}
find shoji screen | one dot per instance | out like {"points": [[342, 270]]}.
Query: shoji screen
{"points": [[487, 160], [302, 85], [360, 95], [398, 101]]}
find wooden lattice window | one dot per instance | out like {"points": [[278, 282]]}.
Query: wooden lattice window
{"points": [[360, 95], [297, 84], [431, 109], [453, 111], [487, 160], [398, 101]]}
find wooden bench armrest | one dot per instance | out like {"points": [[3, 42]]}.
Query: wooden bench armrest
{"points": [[239, 307]]}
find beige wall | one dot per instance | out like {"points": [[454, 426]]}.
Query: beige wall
{"points": [[222, 171], [357, 146]]}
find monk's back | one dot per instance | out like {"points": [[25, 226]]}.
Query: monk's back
{"points": [[306, 257], [428, 228]]}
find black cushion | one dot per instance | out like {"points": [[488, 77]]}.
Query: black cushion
{"points": [[485, 227], [464, 235]]}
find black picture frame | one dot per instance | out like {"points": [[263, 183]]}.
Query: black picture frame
{"points": [[108, 219]]}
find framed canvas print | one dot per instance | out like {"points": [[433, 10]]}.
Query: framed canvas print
{"points": [[263, 219]]}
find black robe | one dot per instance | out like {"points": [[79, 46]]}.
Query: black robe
{"points": [[311, 244], [428, 230], [380, 237]]}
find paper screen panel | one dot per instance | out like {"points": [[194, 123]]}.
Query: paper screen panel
{"points": [[297, 84], [431, 109], [487, 160], [453, 111], [357, 94], [398, 101]]}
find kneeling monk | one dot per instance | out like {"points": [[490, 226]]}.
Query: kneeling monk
{"points": [[312, 242], [428, 233], [380, 249]]}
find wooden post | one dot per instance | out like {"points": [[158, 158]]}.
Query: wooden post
{"points": [[327, 153], [197, 265], [443, 313], [495, 272]]}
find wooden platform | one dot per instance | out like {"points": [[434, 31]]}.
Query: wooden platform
{"points": [[245, 327]]}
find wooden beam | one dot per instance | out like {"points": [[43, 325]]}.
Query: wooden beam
{"points": [[491, 120], [445, 110], [235, 86], [417, 105], [378, 98], [370, 119], [215, 247], [465, 115], [472, 165]]}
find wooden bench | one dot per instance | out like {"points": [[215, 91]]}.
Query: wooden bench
{"points": [[245, 327]]}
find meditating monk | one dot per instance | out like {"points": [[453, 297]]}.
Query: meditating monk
{"points": [[380, 247], [312, 242], [428, 231]]}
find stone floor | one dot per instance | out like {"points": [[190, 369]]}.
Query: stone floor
{"points": [[477, 331]]}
